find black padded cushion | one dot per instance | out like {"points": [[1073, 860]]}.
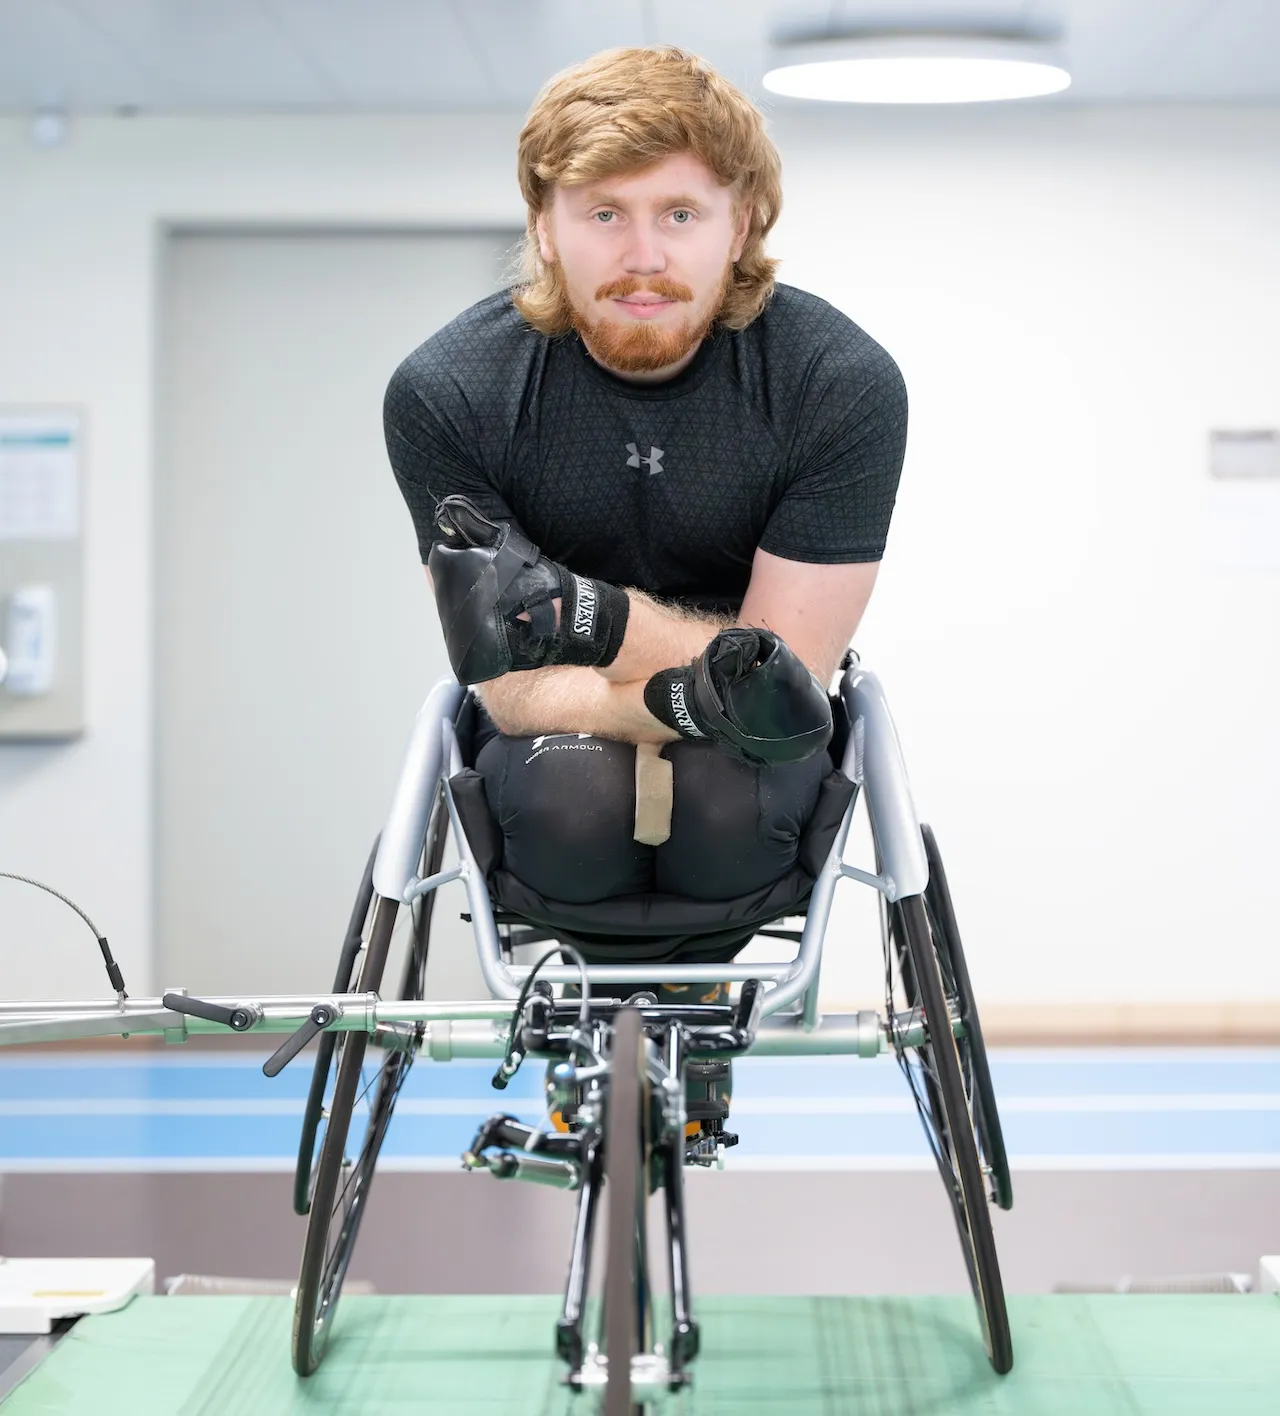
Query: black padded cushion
{"points": [[653, 927]]}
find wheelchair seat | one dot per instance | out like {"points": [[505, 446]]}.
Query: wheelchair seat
{"points": [[652, 927]]}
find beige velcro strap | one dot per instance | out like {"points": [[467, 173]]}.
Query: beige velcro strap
{"points": [[653, 795]]}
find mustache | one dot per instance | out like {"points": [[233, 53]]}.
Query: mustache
{"points": [[659, 285]]}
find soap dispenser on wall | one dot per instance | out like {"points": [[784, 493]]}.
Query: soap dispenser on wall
{"points": [[30, 641]]}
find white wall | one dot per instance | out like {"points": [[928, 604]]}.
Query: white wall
{"points": [[1075, 295]]}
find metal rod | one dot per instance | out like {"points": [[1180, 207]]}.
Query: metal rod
{"points": [[497, 977], [684, 1333], [432, 882], [804, 970], [569, 1338], [467, 1029]]}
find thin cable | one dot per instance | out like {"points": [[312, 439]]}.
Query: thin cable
{"points": [[505, 1069], [113, 969]]}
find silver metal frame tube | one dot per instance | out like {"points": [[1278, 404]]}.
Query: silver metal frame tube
{"points": [[400, 847], [878, 767], [468, 1029]]}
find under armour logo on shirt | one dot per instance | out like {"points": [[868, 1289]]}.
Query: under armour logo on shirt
{"points": [[653, 462]]}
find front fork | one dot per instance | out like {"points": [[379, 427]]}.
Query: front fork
{"points": [[664, 1169], [684, 1330], [576, 1161]]}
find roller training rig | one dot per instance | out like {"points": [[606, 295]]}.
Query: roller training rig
{"points": [[621, 1075]]}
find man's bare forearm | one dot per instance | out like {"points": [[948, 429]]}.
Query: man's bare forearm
{"points": [[606, 702], [566, 699], [660, 636]]}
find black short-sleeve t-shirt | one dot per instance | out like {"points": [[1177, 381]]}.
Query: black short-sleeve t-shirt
{"points": [[788, 435]]}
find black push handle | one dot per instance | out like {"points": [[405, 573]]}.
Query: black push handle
{"points": [[321, 1016], [239, 1019], [750, 1002]]}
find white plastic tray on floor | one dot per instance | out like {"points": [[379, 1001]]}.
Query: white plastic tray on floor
{"points": [[36, 1293]]}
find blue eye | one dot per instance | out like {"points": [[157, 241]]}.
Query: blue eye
{"points": [[683, 212], [604, 213]]}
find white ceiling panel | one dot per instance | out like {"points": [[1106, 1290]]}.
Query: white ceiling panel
{"points": [[47, 56], [528, 41], [396, 54], [1111, 47], [1231, 47], [734, 35], [451, 55], [928, 12], [201, 54]]}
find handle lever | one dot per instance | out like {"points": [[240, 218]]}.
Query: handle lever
{"points": [[239, 1019], [321, 1016], [750, 1001]]}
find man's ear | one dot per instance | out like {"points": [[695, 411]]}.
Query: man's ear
{"points": [[743, 226], [545, 249]]}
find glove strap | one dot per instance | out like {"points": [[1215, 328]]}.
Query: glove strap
{"points": [[669, 697], [593, 621]]}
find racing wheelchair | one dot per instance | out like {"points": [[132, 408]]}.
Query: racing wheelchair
{"points": [[619, 1064]]}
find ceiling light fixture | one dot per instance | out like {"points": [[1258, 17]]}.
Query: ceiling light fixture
{"points": [[916, 67]]}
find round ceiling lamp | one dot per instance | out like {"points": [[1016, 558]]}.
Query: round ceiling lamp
{"points": [[916, 67]]}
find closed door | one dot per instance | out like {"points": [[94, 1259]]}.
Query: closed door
{"points": [[295, 637]]}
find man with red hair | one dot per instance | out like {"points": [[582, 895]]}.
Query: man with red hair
{"points": [[652, 488]]}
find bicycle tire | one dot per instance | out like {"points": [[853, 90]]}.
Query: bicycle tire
{"points": [[626, 1302], [956, 1148], [326, 1255], [344, 980], [942, 917]]}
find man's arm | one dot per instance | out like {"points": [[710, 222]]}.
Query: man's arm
{"points": [[603, 702], [814, 609], [567, 698], [659, 636]]}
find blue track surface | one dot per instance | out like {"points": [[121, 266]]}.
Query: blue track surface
{"points": [[1083, 1109]]}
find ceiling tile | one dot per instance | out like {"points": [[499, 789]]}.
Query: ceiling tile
{"points": [[50, 57], [1111, 48], [203, 54], [451, 55], [389, 54], [1231, 50], [526, 42]]}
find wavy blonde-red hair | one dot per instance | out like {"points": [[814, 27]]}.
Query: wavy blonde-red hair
{"points": [[624, 110]]}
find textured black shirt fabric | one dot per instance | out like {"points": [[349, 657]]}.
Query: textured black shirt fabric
{"points": [[788, 435]]}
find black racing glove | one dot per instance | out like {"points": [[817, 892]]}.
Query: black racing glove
{"points": [[747, 693], [486, 573]]}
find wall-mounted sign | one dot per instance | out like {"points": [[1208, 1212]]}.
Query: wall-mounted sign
{"points": [[39, 476]]}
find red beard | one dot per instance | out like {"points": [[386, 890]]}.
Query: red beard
{"points": [[642, 346]]}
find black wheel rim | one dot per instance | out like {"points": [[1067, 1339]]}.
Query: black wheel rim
{"points": [[972, 1047], [339, 1186], [943, 1100], [323, 1072]]}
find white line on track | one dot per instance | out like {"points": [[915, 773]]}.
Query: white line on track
{"points": [[205, 1165], [742, 1105]]}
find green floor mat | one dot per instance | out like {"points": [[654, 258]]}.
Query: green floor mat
{"points": [[1074, 1356]]}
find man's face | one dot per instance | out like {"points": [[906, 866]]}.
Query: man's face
{"points": [[645, 260]]}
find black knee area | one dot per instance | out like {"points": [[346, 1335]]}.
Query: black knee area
{"points": [[565, 804], [735, 825]]}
